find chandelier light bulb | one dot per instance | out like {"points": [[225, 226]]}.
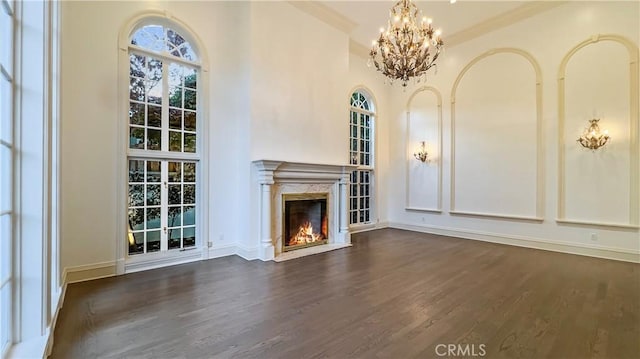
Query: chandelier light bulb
{"points": [[381, 30], [408, 48], [452, 1]]}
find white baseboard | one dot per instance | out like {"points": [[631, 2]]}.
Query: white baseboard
{"points": [[527, 242], [382, 225], [88, 272], [222, 251], [162, 260], [248, 253], [54, 320]]}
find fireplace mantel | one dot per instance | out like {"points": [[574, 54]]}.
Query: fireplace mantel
{"points": [[280, 177]]}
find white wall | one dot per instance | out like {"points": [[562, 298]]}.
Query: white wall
{"points": [[298, 71], [495, 141]]}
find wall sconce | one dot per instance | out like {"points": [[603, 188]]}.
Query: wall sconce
{"points": [[592, 138], [421, 153]]}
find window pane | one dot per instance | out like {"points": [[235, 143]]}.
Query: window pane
{"points": [[189, 215], [153, 171], [153, 218], [153, 241], [6, 118], [189, 172], [136, 195], [174, 216], [190, 99], [189, 142], [175, 174], [189, 195], [6, 40], [175, 97], [5, 178], [136, 89], [136, 219], [136, 171], [137, 66], [5, 313], [154, 116], [5, 246], [136, 114], [153, 195], [136, 137], [136, 242], [174, 236], [189, 235], [189, 121], [190, 78], [175, 141], [154, 139], [175, 194], [175, 119]]}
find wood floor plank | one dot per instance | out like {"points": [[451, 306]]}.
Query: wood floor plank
{"points": [[394, 294]]}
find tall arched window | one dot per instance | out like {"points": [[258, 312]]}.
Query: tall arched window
{"points": [[164, 141], [361, 145]]}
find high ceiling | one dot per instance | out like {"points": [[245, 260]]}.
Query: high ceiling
{"points": [[451, 18]]}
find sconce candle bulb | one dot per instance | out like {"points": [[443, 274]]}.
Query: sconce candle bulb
{"points": [[592, 138], [421, 154]]}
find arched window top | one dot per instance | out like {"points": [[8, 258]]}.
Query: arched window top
{"points": [[359, 100], [163, 40]]}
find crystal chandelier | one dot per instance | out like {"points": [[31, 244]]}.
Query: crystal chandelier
{"points": [[592, 138], [406, 49]]}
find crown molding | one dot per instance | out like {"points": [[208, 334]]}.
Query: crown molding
{"points": [[325, 14], [500, 21], [357, 48], [484, 27]]}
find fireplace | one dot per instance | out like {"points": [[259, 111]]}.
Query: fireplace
{"points": [[304, 220]]}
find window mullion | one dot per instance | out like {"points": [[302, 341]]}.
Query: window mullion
{"points": [[164, 209], [165, 107]]}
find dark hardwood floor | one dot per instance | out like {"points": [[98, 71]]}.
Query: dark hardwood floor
{"points": [[394, 294]]}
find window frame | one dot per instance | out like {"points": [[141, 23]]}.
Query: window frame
{"points": [[362, 168], [130, 263], [7, 215]]}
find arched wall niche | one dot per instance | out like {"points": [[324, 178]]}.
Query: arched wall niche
{"points": [[424, 123], [600, 162], [500, 185]]}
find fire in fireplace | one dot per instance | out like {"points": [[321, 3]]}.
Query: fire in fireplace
{"points": [[304, 220]]}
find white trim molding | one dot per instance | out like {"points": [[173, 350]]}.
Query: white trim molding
{"points": [[619, 254], [501, 21], [325, 14], [634, 146], [438, 95], [88, 272], [358, 49], [540, 187]]}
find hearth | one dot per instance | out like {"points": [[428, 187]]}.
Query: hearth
{"points": [[304, 220]]}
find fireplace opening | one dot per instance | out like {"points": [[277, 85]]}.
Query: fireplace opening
{"points": [[305, 220]]}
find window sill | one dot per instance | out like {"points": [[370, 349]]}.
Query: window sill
{"points": [[142, 262]]}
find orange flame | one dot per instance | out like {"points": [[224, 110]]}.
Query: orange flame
{"points": [[305, 235]]}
